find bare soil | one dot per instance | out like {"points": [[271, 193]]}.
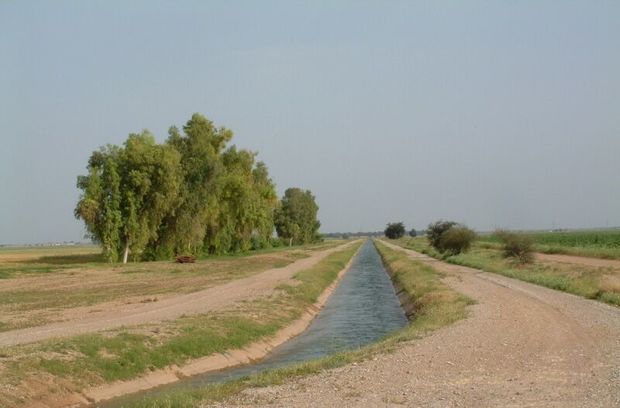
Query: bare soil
{"points": [[579, 260], [154, 309], [522, 346]]}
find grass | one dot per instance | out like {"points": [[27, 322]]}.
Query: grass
{"points": [[600, 283], [43, 260], [93, 359], [593, 243], [34, 293], [435, 306]]}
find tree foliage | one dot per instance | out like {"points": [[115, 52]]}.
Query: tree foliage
{"points": [[192, 194], [296, 218], [127, 193], [395, 230], [413, 233]]}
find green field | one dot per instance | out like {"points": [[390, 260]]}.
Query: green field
{"points": [[594, 243]]}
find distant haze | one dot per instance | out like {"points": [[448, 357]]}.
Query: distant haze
{"points": [[490, 113]]}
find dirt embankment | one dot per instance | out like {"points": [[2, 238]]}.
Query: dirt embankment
{"points": [[210, 299], [522, 346]]}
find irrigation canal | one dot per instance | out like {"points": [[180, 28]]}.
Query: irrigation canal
{"points": [[362, 310]]}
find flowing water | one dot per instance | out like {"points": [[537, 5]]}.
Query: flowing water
{"points": [[362, 309]]}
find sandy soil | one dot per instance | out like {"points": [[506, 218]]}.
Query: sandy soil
{"points": [[214, 298], [522, 346]]}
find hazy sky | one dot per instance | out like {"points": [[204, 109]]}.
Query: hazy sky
{"points": [[495, 114]]}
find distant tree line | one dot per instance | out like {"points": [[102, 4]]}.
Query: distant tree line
{"points": [[192, 194], [347, 235]]}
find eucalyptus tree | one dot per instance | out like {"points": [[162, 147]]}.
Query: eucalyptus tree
{"points": [[247, 200], [186, 229], [296, 218], [127, 193], [100, 201], [192, 194], [226, 199]]}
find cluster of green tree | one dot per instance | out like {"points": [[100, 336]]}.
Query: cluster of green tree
{"points": [[395, 230], [192, 194], [296, 217]]}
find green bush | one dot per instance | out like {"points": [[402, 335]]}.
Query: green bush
{"points": [[517, 246], [436, 230], [395, 230], [455, 240]]}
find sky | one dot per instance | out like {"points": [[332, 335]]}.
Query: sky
{"points": [[495, 114]]}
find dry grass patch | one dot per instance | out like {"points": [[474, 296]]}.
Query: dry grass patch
{"points": [[28, 300]]}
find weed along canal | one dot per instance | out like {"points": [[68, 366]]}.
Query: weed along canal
{"points": [[362, 310]]}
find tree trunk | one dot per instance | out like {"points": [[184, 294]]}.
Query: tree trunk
{"points": [[290, 241], [126, 254]]}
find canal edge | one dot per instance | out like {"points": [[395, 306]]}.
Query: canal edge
{"points": [[406, 301]]}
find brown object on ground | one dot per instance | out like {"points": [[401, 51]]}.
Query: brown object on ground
{"points": [[210, 299], [185, 259], [522, 346]]}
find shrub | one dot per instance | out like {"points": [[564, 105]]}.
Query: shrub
{"points": [[395, 230], [517, 246], [436, 230], [456, 239], [413, 233]]}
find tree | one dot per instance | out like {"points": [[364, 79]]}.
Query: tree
{"points": [[192, 226], [99, 204], [395, 230], [413, 233], [248, 200], [127, 193], [296, 218], [190, 195]]}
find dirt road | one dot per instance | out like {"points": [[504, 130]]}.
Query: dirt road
{"points": [[578, 260], [173, 307], [522, 346]]}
